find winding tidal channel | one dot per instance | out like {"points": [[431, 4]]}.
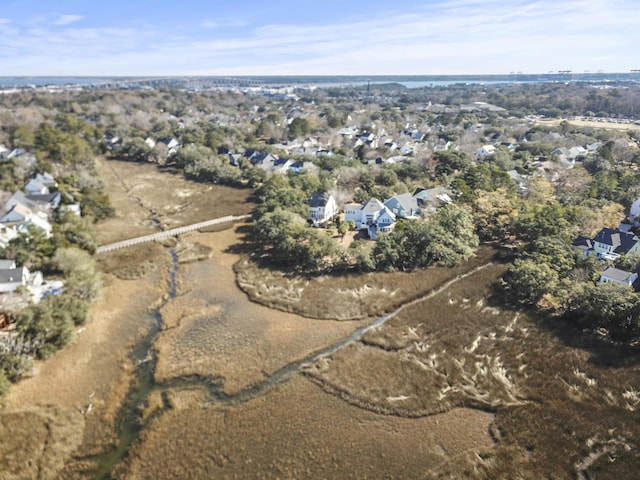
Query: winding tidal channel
{"points": [[130, 422]]}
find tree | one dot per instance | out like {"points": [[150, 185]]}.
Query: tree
{"points": [[448, 238], [82, 277], [23, 137], [136, 150], [493, 214], [360, 252], [343, 228], [388, 252], [51, 327], [540, 191], [527, 280], [606, 305], [30, 248], [453, 235], [276, 192], [95, 203], [545, 221], [73, 230], [299, 127], [449, 162], [554, 252], [191, 154]]}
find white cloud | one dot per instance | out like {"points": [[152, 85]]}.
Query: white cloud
{"points": [[209, 24], [67, 19], [453, 36], [213, 24]]}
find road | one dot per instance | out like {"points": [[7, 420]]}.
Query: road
{"points": [[174, 232]]}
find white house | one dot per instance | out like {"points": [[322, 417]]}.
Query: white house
{"points": [[610, 244], [12, 278], [7, 233], [621, 277], [22, 217], [40, 184], [323, 208], [403, 205], [485, 151], [373, 216], [385, 223], [7, 264]]}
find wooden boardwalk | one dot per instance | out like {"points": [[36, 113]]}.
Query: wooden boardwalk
{"points": [[174, 232]]}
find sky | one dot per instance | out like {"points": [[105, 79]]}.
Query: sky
{"points": [[331, 37]]}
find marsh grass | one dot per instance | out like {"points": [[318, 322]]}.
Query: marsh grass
{"points": [[131, 263], [297, 431], [36, 441], [552, 388], [345, 296]]}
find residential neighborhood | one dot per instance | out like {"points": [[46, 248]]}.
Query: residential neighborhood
{"points": [[499, 235], [26, 212]]}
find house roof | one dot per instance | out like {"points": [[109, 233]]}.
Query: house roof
{"points": [[617, 274], [560, 151], [49, 198], [7, 264], [262, 157], [17, 213], [488, 148], [389, 213], [319, 199], [619, 241], [372, 206], [405, 200], [423, 196], [583, 243], [46, 179], [12, 275], [34, 185], [20, 198]]}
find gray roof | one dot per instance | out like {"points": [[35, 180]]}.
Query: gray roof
{"points": [[583, 243], [372, 206], [319, 199], [11, 275], [7, 264], [21, 199], [617, 274], [406, 201]]}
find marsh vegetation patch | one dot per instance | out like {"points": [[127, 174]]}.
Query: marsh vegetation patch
{"points": [[297, 431], [346, 296], [549, 386]]}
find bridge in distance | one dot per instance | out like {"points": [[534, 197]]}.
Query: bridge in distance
{"points": [[183, 82]]}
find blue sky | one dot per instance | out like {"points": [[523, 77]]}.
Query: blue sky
{"points": [[284, 37]]}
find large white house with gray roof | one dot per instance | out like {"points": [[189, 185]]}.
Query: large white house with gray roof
{"points": [[373, 216], [322, 208]]}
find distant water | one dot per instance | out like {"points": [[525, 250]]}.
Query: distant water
{"points": [[409, 81]]}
